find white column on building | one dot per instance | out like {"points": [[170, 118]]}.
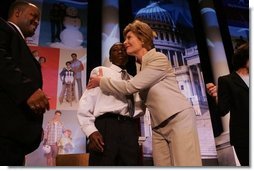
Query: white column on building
{"points": [[164, 36], [110, 28], [215, 47], [168, 55], [175, 59], [169, 36], [201, 82], [192, 81], [158, 35], [161, 35]]}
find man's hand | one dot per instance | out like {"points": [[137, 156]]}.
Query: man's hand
{"points": [[94, 80], [38, 102], [96, 142]]}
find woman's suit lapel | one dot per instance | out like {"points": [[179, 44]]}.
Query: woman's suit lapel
{"points": [[239, 81]]}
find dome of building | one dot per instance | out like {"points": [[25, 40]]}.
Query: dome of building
{"points": [[155, 13]]}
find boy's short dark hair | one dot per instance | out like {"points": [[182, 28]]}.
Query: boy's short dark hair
{"points": [[73, 54], [58, 111], [68, 62]]}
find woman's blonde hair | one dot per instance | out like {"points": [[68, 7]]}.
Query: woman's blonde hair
{"points": [[143, 31]]}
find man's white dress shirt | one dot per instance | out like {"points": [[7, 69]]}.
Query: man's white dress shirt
{"points": [[94, 103]]}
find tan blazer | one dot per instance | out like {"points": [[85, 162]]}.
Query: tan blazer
{"points": [[157, 85]]}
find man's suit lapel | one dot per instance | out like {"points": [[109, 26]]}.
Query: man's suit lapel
{"points": [[16, 30], [25, 44]]}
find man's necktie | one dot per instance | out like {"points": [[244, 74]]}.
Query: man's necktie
{"points": [[130, 98]]}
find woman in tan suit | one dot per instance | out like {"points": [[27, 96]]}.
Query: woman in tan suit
{"points": [[175, 138]]}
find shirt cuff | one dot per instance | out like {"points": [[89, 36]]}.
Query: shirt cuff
{"points": [[89, 130]]}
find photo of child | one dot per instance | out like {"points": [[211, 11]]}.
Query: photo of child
{"points": [[65, 145]]}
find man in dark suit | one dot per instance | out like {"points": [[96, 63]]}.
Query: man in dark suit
{"points": [[22, 102], [233, 97]]}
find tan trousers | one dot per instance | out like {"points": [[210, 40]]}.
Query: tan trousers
{"points": [[175, 141]]}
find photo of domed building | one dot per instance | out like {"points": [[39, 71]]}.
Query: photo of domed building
{"points": [[175, 38]]}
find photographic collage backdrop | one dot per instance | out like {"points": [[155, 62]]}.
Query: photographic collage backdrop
{"points": [[62, 32]]}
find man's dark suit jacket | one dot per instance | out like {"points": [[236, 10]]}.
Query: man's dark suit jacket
{"points": [[233, 96], [20, 76]]}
